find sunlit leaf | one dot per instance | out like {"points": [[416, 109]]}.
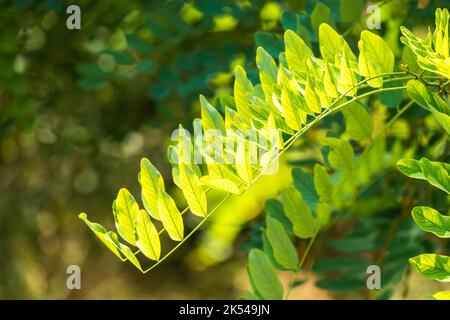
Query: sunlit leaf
{"points": [[432, 266], [431, 220], [151, 182], [125, 209], [170, 216], [193, 191], [147, 238]]}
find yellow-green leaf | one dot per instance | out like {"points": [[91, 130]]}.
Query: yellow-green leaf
{"points": [[151, 182], [341, 154], [357, 122], [220, 184], [243, 167], [193, 191], [170, 216], [126, 251], [147, 236], [324, 188], [283, 249], [298, 212], [297, 53], [436, 174], [432, 266], [375, 57], [125, 209], [102, 234], [431, 220], [211, 118], [242, 89]]}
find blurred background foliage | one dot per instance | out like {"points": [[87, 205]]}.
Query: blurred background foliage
{"points": [[78, 109]]}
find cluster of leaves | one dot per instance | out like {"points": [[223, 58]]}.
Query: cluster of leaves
{"points": [[366, 237], [292, 96], [431, 265], [319, 202]]}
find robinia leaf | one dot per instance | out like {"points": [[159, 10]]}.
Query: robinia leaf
{"points": [[282, 247], [375, 57], [435, 174], [126, 251], [432, 266], [192, 190], [220, 184], [147, 238], [211, 118], [102, 234], [264, 279], [151, 182], [358, 122], [242, 88], [411, 168], [322, 183], [170, 216], [431, 220], [295, 208], [341, 154], [243, 167], [297, 52], [125, 209]]}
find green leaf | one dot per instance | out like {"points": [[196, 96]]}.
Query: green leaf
{"points": [[323, 213], [357, 122], [223, 184], [347, 77], [320, 14], [297, 52], [431, 220], [322, 183], [151, 182], [291, 102], [170, 216], [263, 277], [147, 238], [243, 167], [192, 190], [341, 154], [332, 44], [125, 209], [102, 234], [375, 58], [267, 72], [304, 182], [126, 251], [304, 224], [442, 295], [283, 249], [411, 168], [432, 102], [242, 88], [274, 208], [432, 266], [436, 174], [211, 118]]}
